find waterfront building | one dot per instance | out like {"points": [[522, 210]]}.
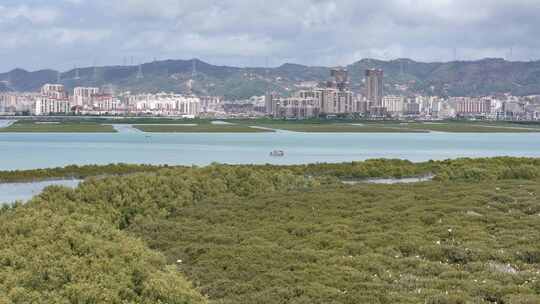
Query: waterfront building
{"points": [[374, 87], [12, 103], [210, 103], [331, 100], [106, 103], [296, 107], [83, 95], [56, 91], [341, 78], [411, 108], [271, 107], [513, 110], [166, 104], [393, 104], [53, 99], [468, 106], [44, 105], [361, 105]]}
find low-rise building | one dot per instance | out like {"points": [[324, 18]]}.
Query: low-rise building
{"points": [[298, 107], [82, 96], [393, 104], [56, 91], [468, 106], [167, 104]]}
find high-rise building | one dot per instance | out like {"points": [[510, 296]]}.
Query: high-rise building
{"points": [[270, 104], [374, 87], [331, 100], [341, 78]]}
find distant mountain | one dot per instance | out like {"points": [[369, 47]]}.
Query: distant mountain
{"points": [[404, 76]]}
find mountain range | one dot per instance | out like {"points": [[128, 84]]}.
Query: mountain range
{"points": [[402, 76]]}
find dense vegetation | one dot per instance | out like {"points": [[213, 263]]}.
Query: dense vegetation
{"points": [[51, 254], [394, 126], [202, 128], [272, 234], [74, 172], [26, 126], [461, 127], [463, 169], [343, 128]]}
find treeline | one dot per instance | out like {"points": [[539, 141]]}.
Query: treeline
{"points": [[486, 169], [465, 169], [74, 172]]}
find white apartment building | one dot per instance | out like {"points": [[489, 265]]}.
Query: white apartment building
{"points": [[83, 95], [296, 107], [166, 104], [11, 103], [44, 105], [54, 91], [466, 106], [331, 100], [411, 108], [105, 103], [393, 104], [53, 100], [210, 103]]}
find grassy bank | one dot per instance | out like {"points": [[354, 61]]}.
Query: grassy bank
{"points": [[404, 127], [203, 128], [342, 128], [165, 125], [57, 127], [462, 127], [281, 234]]}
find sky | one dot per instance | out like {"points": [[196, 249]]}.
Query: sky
{"points": [[62, 34]]}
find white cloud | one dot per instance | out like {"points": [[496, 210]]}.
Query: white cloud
{"points": [[317, 32], [51, 37], [34, 15], [75, 36]]}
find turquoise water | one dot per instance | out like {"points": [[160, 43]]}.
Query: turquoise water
{"points": [[12, 192], [27, 151]]}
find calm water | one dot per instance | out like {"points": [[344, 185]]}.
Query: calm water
{"points": [[26, 151], [12, 192], [391, 181]]}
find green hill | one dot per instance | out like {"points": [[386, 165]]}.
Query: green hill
{"points": [[458, 78]]}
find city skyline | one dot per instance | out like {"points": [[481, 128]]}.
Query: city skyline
{"points": [[69, 33]]}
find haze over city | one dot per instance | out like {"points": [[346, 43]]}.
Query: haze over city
{"points": [[42, 34]]}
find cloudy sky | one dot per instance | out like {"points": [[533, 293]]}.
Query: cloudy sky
{"points": [[61, 34]]}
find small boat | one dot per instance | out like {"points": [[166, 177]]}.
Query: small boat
{"points": [[277, 153]]}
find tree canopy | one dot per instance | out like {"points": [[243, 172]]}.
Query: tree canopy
{"points": [[279, 234]]}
